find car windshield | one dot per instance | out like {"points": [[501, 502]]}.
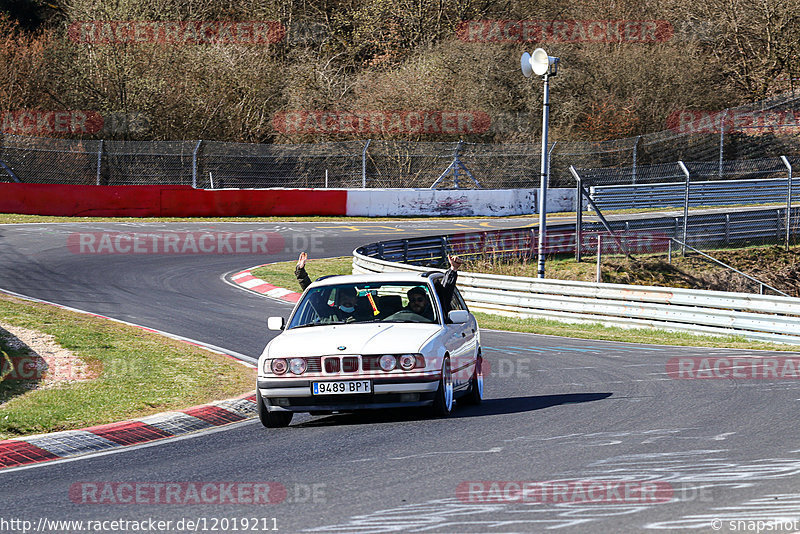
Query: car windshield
{"points": [[386, 302]]}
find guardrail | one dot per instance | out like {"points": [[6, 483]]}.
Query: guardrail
{"points": [[709, 193], [746, 226], [759, 317]]}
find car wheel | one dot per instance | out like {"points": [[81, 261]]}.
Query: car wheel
{"points": [[443, 404], [271, 419], [475, 395]]}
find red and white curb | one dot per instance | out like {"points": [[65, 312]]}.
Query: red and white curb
{"points": [[57, 445], [27, 450], [246, 280]]}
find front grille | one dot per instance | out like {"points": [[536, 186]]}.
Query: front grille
{"points": [[314, 364], [332, 365], [350, 364]]}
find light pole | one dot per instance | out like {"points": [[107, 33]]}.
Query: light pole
{"points": [[545, 66]]}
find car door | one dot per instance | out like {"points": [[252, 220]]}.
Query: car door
{"points": [[462, 343]]}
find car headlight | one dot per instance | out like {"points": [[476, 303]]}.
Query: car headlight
{"points": [[279, 366], [387, 362], [297, 366], [407, 361]]}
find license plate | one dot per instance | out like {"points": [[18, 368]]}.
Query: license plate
{"points": [[342, 387]]}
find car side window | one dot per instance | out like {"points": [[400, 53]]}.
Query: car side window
{"points": [[456, 302]]}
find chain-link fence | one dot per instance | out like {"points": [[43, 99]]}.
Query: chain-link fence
{"points": [[693, 187], [757, 132], [759, 198]]}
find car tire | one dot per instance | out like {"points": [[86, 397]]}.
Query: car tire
{"points": [[271, 419], [443, 402], [475, 395]]}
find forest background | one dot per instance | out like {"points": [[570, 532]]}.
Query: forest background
{"points": [[617, 77]]}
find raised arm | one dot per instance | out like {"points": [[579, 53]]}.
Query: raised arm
{"points": [[300, 271]]}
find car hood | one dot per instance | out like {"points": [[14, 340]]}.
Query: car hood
{"points": [[392, 338]]}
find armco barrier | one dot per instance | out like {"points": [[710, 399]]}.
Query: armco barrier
{"points": [[166, 201], [706, 193], [759, 317]]}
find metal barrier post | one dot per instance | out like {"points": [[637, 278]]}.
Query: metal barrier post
{"points": [[194, 163], [364, 165], [635, 149], [685, 209], [788, 199], [599, 276]]}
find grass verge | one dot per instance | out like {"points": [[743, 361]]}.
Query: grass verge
{"points": [[138, 373], [283, 273], [12, 218]]}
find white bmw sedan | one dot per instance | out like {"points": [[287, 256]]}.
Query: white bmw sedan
{"points": [[370, 341]]}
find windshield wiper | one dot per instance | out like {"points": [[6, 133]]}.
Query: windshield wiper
{"points": [[318, 323]]}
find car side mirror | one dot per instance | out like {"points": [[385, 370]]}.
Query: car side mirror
{"points": [[458, 316], [275, 323]]}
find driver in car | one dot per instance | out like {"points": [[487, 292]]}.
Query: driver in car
{"points": [[419, 303]]}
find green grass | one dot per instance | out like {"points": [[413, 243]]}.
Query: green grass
{"points": [[11, 218], [628, 335], [138, 373], [282, 275]]}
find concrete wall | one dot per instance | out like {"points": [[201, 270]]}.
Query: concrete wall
{"points": [[454, 202], [185, 201]]}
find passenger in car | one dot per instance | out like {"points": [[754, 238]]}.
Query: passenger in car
{"points": [[447, 285], [444, 287]]}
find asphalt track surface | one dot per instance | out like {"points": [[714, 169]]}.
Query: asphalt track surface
{"points": [[561, 409]]}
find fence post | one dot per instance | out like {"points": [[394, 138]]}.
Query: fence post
{"points": [[100, 162], [722, 139], [685, 209], [9, 171], [727, 229], [549, 153], [635, 150], [578, 217], [788, 199], [364, 165], [194, 163]]}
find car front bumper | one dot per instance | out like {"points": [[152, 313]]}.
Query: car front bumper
{"points": [[295, 395]]}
